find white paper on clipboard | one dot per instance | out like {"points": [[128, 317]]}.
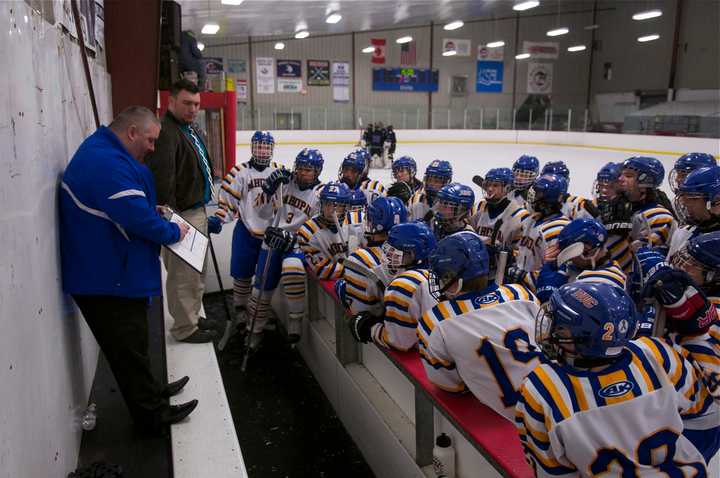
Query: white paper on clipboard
{"points": [[193, 247]]}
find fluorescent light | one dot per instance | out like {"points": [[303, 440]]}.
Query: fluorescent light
{"points": [[406, 39], [368, 49], [201, 46], [333, 18], [450, 53], [231, 2], [520, 7], [302, 34], [577, 48], [557, 32], [279, 46], [454, 25], [647, 38], [210, 29], [495, 44], [522, 56], [647, 15]]}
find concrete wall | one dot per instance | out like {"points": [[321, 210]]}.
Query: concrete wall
{"points": [[47, 355]]}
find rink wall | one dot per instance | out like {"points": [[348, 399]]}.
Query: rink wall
{"points": [[47, 354], [630, 143]]}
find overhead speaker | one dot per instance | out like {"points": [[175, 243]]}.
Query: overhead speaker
{"points": [[170, 24]]}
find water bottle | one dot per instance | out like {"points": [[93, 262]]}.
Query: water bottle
{"points": [[444, 457], [89, 419]]}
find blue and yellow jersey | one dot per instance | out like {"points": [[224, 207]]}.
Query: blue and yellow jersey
{"points": [[610, 273], [619, 249], [509, 231], [372, 190], [418, 207], [323, 248], [538, 234], [623, 419], [406, 298], [653, 223], [362, 293], [574, 207], [482, 341]]}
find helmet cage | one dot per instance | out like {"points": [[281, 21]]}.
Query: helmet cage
{"points": [[262, 151]]}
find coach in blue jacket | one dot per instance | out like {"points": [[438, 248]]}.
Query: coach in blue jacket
{"points": [[110, 235]]}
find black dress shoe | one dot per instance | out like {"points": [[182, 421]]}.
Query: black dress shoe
{"points": [[211, 324], [173, 388], [201, 337], [175, 413]]}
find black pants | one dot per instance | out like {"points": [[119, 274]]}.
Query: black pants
{"points": [[120, 326]]}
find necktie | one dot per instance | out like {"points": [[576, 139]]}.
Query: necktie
{"points": [[204, 163]]}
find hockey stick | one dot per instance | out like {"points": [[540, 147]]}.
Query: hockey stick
{"points": [[369, 273], [263, 280], [478, 180], [502, 256]]}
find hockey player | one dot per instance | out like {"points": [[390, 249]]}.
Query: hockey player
{"points": [[574, 207], [364, 279], [605, 192], [541, 230], [480, 336], [606, 405], [452, 210], [404, 170], [390, 143], [686, 164], [376, 148], [698, 205], [353, 172], [365, 141], [525, 172], [499, 218], [241, 196], [582, 256], [323, 239], [300, 202], [640, 216], [407, 296], [437, 174]]}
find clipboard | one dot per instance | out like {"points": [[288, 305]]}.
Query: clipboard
{"points": [[193, 248]]}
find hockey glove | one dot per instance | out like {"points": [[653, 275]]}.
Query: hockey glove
{"points": [[515, 275], [400, 190], [618, 218], [273, 181], [651, 263], [548, 281], [215, 225], [279, 239], [646, 321], [361, 326]]}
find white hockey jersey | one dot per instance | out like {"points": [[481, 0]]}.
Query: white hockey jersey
{"points": [[680, 238], [482, 341], [418, 207], [355, 222], [241, 196], [654, 224], [620, 421], [372, 189], [362, 271], [574, 208], [609, 273], [300, 205], [323, 247], [510, 231], [406, 299], [538, 235]]}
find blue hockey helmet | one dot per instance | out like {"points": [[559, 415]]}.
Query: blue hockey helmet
{"points": [[556, 167], [262, 144], [547, 190], [408, 244], [440, 169], [404, 162], [650, 171], [309, 158], [453, 206], [335, 192], [703, 183], [584, 238], [605, 186], [609, 173], [525, 171], [358, 162], [358, 200], [686, 164], [383, 214], [700, 258], [458, 258], [502, 176], [586, 320]]}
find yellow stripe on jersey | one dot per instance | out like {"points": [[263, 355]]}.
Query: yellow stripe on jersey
{"points": [[464, 306], [579, 392], [553, 391], [615, 377], [643, 373]]}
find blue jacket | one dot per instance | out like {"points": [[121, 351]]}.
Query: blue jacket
{"points": [[110, 233]]}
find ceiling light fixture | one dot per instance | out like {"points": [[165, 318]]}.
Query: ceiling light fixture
{"points": [[495, 44], [557, 32], [201, 46], [405, 39], [647, 15], [577, 48], [333, 18], [368, 49], [302, 34], [454, 25], [522, 56], [648, 38], [450, 53], [279, 46], [210, 28], [521, 7], [231, 2]]}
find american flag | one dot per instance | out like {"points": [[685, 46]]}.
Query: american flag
{"points": [[407, 53]]}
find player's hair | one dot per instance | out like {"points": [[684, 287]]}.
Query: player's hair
{"points": [[183, 85], [476, 284], [133, 115]]}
